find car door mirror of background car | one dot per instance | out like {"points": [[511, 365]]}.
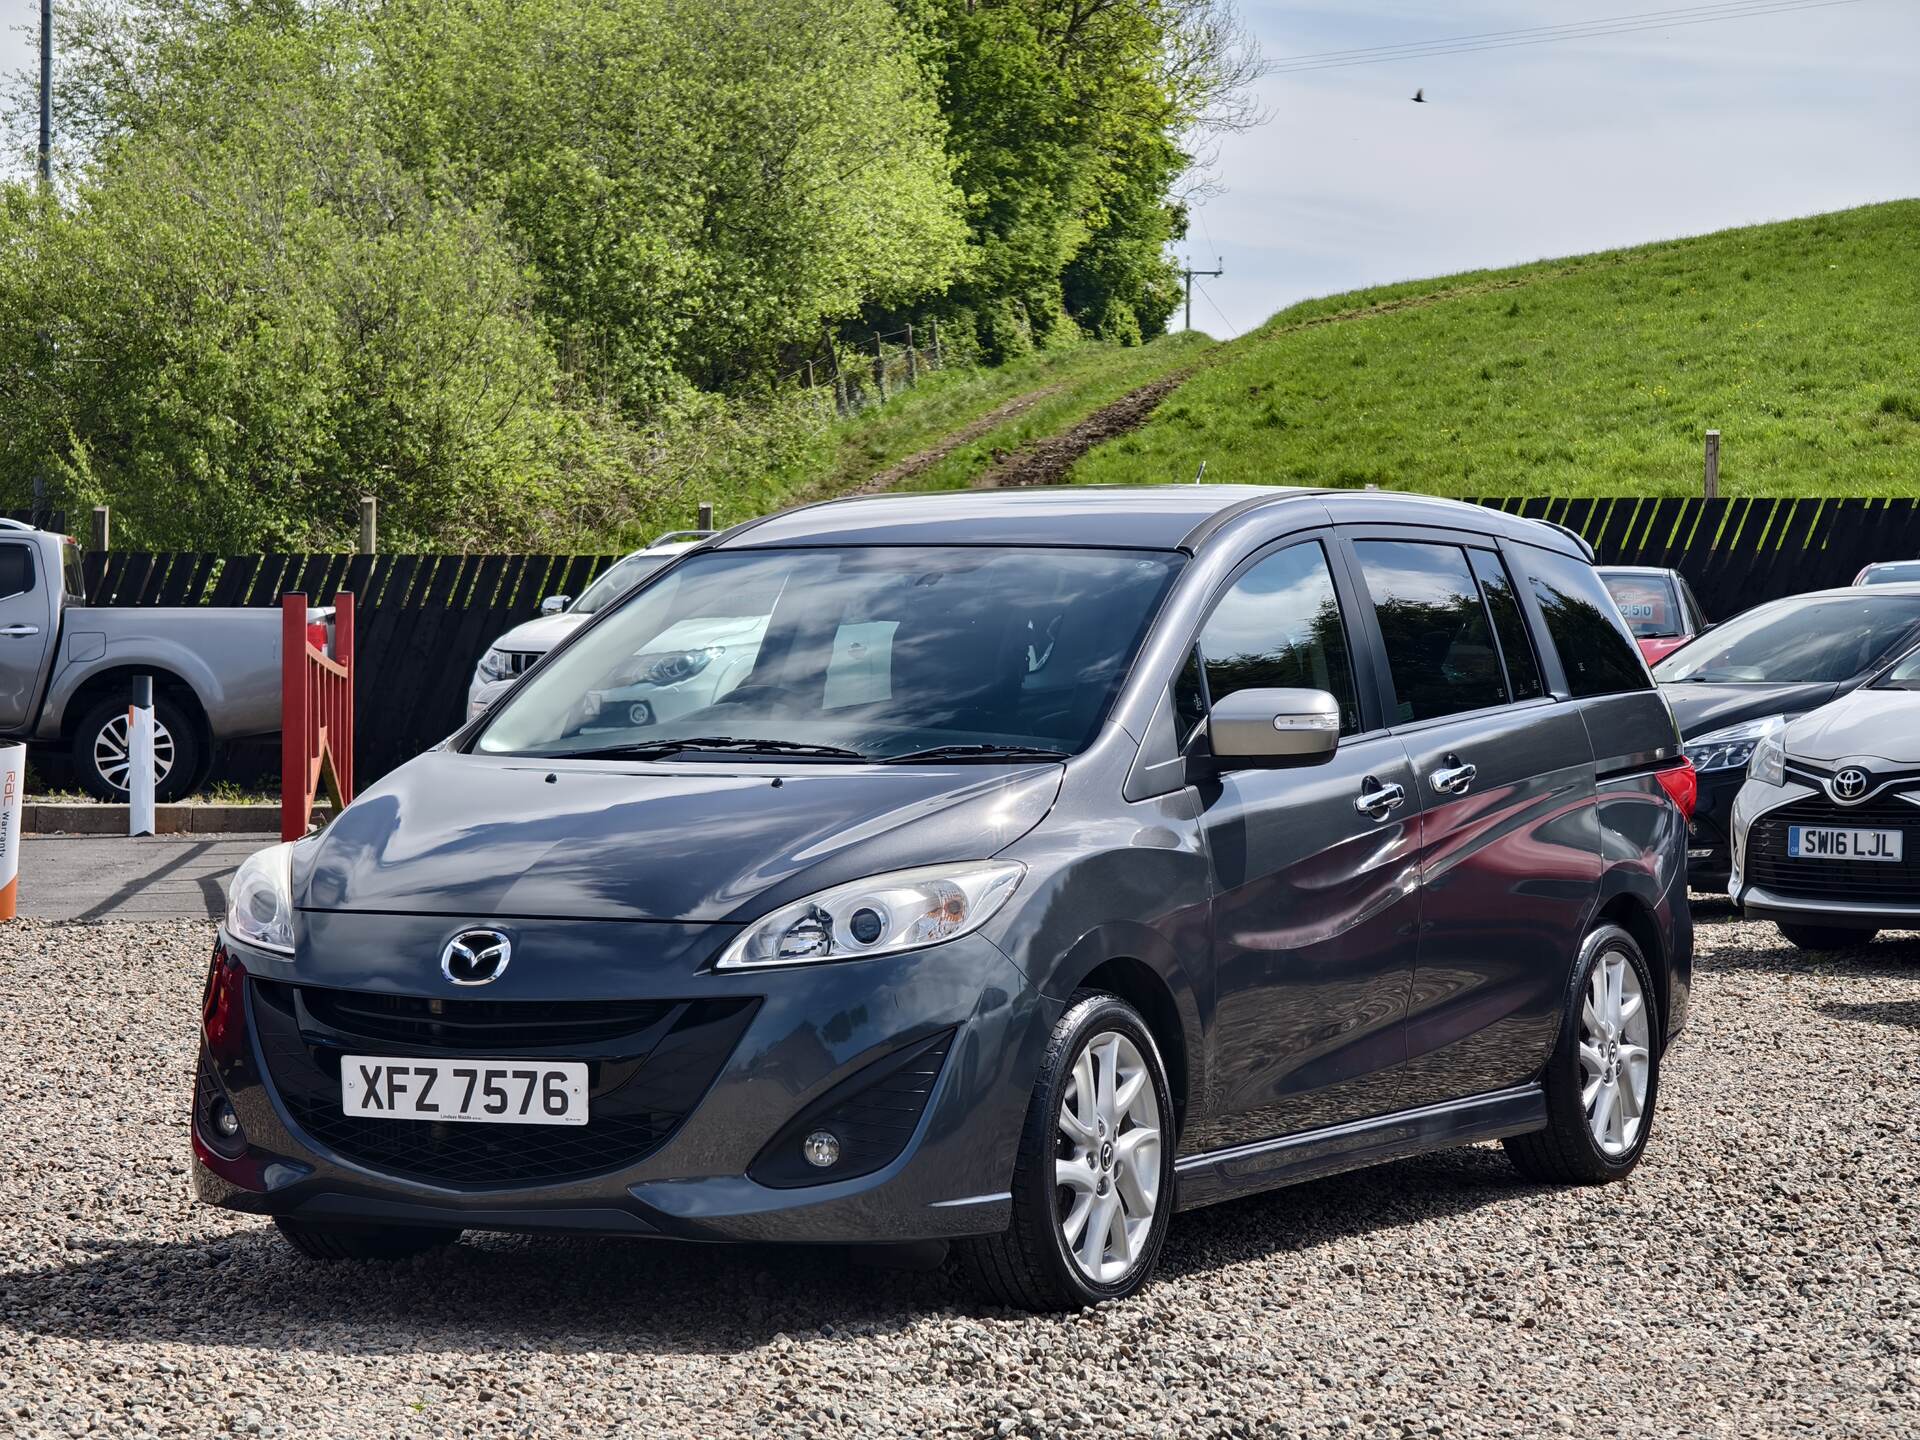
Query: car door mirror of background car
{"points": [[555, 604], [1274, 727]]}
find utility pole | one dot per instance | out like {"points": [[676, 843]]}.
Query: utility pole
{"points": [[46, 91], [1187, 276]]}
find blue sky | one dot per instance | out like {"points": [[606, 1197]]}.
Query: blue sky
{"points": [[1545, 150], [1526, 152]]}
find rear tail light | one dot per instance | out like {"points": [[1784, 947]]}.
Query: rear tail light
{"points": [[1682, 785]]}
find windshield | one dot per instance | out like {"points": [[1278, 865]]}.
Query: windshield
{"points": [[1905, 675], [615, 581], [1891, 572], [1798, 641], [1647, 603], [869, 652]]}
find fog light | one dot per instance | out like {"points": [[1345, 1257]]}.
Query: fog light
{"points": [[821, 1148], [224, 1120]]}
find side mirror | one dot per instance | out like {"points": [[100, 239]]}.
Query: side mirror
{"points": [[555, 604], [1274, 727]]}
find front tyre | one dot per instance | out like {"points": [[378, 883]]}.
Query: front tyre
{"points": [[181, 749], [1604, 1075], [362, 1242], [1093, 1185]]}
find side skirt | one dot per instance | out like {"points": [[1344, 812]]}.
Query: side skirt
{"points": [[1216, 1175]]}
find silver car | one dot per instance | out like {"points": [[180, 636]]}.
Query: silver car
{"points": [[1826, 830], [560, 615]]}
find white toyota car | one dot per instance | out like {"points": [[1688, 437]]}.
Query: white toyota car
{"points": [[515, 652], [1826, 830]]}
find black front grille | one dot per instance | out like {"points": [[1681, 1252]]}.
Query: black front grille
{"points": [[1869, 881], [648, 1064]]}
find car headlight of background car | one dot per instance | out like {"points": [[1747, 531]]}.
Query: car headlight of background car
{"points": [[260, 903], [494, 665], [904, 910], [1769, 763], [1731, 748]]}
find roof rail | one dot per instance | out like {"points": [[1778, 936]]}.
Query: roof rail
{"points": [[674, 535], [7, 522]]}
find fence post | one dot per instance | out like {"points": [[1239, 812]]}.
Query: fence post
{"points": [[296, 799], [939, 360], [913, 361], [1711, 485], [102, 529], [705, 514], [369, 525], [880, 364]]}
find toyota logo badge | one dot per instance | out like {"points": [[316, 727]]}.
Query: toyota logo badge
{"points": [[1851, 783], [476, 957]]}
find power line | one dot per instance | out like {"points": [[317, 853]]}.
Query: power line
{"points": [[1232, 334], [1598, 29]]}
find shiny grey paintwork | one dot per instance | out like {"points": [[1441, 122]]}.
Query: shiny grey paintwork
{"points": [[229, 659], [1311, 1012]]}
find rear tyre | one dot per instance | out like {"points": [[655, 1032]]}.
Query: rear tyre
{"points": [[1825, 937], [1604, 1076], [1093, 1185], [181, 751], [362, 1242]]}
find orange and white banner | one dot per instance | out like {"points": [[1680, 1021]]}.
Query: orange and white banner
{"points": [[13, 784]]}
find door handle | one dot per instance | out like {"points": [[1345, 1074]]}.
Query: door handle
{"points": [[19, 632], [1453, 780], [1379, 799]]}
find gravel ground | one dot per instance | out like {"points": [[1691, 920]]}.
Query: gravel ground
{"points": [[1757, 1276]]}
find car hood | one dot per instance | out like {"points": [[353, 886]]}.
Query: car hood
{"points": [[539, 635], [1700, 708], [1868, 724], [474, 835]]}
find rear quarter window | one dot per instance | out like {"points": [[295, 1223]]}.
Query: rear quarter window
{"points": [[1584, 624]]}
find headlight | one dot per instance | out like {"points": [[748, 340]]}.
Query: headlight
{"points": [[906, 910], [680, 665], [260, 902], [1769, 763], [493, 665], [1731, 748]]}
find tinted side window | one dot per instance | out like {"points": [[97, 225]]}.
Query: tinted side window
{"points": [[1584, 625], [1510, 625], [16, 570], [1279, 627], [1439, 643]]}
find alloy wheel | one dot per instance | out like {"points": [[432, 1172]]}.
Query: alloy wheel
{"points": [[1107, 1160], [110, 756], [1615, 1061]]}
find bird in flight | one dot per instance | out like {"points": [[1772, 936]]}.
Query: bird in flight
{"points": [[1420, 96]]}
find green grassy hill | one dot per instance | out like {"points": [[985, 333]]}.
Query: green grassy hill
{"points": [[1799, 341]]}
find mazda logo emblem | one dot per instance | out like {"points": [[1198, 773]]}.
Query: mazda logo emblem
{"points": [[1851, 783], [476, 957]]}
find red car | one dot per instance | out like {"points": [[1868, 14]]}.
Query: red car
{"points": [[1658, 606]]}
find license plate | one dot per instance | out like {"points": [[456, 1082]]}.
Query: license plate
{"points": [[1828, 842], [487, 1092]]}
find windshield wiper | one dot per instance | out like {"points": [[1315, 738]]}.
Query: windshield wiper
{"points": [[659, 749], [976, 752]]}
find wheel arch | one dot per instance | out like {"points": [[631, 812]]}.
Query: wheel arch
{"points": [[118, 679], [1140, 967], [1633, 913]]}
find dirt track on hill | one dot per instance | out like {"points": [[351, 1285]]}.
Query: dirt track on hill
{"points": [[1046, 462]]}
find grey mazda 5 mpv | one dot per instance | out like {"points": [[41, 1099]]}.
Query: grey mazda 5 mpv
{"points": [[1009, 870]]}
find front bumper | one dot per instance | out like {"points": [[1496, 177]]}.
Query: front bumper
{"points": [[812, 1029], [1709, 842], [1760, 901]]}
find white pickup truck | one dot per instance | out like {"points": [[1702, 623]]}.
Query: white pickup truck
{"points": [[67, 670]]}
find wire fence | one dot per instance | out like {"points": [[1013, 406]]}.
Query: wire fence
{"points": [[847, 382]]}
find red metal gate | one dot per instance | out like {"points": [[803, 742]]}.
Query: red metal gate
{"points": [[316, 711]]}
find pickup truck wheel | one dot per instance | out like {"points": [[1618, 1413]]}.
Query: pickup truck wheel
{"points": [[100, 751]]}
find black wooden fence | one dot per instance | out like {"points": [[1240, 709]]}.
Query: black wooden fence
{"points": [[423, 621], [426, 619], [1737, 553]]}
